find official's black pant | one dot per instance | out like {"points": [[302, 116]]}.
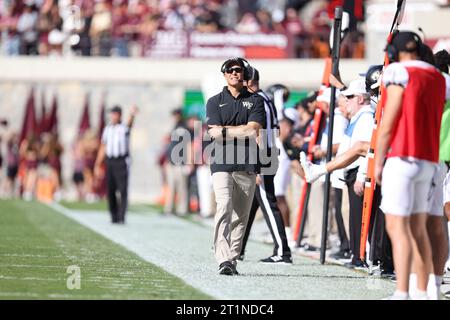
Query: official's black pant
{"points": [[380, 244], [266, 199], [117, 181], [345, 245], [356, 206]]}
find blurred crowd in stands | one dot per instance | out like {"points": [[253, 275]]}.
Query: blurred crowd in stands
{"points": [[125, 27], [31, 160], [33, 166]]}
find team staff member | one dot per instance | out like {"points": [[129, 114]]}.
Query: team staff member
{"points": [[409, 142], [115, 148], [359, 129], [234, 117], [265, 190], [436, 225]]}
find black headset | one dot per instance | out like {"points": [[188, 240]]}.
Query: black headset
{"points": [[241, 62], [393, 52], [253, 74]]}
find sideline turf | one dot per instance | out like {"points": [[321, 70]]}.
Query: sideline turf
{"points": [[102, 206], [38, 245]]}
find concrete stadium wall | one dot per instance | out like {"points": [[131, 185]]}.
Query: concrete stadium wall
{"points": [[186, 72], [156, 86]]}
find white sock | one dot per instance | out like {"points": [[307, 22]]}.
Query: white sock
{"points": [[434, 287], [412, 285], [438, 280], [288, 233]]}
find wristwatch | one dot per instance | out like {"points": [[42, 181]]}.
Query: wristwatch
{"points": [[224, 132]]}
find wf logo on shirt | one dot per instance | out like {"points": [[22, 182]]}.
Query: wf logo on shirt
{"points": [[247, 104]]}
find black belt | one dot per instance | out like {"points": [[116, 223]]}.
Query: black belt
{"points": [[117, 158]]}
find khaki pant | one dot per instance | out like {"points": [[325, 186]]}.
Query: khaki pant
{"points": [[315, 213], [234, 193], [346, 211], [177, 181]]}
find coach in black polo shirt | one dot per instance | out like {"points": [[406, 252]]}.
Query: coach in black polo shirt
{"points": [[234, 118], [115, 147]]}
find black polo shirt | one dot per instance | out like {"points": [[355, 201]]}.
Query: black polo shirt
{"points": [[225, 110]]}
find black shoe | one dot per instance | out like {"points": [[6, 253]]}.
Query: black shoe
{"points": [[387, 274], [235, 272], [447, 294], [310, 248], [357, 265], [227, 268], [341, 255], [277, 259]]}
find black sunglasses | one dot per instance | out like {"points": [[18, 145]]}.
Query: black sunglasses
{"points": [[238, 70], [350, 96]]}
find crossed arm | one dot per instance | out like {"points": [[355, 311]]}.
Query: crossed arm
{"points": [[249, 130]]}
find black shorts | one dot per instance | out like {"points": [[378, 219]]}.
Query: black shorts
{"points": [[78, 177], [11, 172]]}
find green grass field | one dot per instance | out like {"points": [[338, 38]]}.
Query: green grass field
{"points": [[38, 245]]}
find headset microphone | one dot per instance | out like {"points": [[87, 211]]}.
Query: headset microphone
{"points": [[423, 33]]}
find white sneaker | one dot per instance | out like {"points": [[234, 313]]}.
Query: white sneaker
{"points": [[312, 171], [91, 198], [437, 295], [398, 296], [27, 196], [420, 296]]}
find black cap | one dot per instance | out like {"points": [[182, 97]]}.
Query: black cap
{"points": [[230, 61], [303, 103], [253, 73], [312, 95], [116, 108], [407, 41]]}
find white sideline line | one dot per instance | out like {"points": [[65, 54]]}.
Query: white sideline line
{"points": [[184, 249]]}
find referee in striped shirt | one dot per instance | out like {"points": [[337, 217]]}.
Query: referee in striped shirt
{"points": [[115, 145], [265, 191]]}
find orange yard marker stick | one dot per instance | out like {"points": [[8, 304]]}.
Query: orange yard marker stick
{"points": [[306, 187]]}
